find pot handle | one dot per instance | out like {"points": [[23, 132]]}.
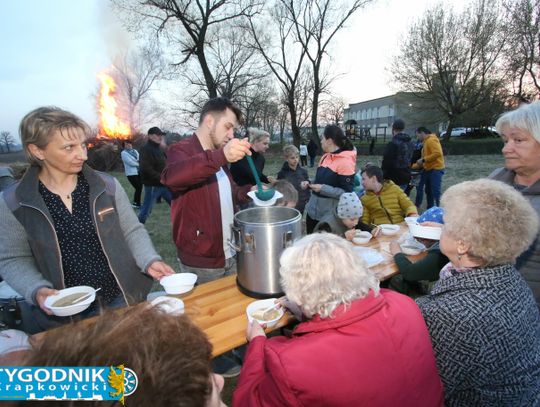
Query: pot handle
{"points": [[236, 236], [287, 239]]}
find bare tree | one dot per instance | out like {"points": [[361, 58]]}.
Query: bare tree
{"points": [[522, 51], [190, 25], [332, 109], [238, 66], [451, 58], [284, 57], [136, 72], [316, 23], [6, 140]]}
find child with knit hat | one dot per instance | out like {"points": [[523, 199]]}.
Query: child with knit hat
{"points": [[346, 217]]}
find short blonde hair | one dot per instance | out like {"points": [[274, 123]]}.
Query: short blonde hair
{"points": [[257, 134], [38, 127], [526, 117], [321, 272], [290, 194], [290, 150], [494, 219]]}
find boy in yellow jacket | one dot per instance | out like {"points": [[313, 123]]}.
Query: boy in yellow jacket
{"points": [[384, 201]]}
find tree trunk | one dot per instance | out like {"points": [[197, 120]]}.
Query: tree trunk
{"points": [[208, 78]]}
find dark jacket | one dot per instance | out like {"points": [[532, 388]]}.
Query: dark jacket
{"points": [[295, 177], [485, 330], [528, 263], [195, 209], [151, 163], [242, 174], [396, 163], [312, 148], [427, 268], [31, 258]]}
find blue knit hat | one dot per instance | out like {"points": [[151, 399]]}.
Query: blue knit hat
{"points": [[433, 214]]}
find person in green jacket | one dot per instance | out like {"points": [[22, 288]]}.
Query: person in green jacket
{"points": [[412, 274]]}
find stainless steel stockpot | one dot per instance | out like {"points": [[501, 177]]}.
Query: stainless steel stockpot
{"points": [[259, 237]]}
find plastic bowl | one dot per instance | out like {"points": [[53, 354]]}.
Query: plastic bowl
{"points": [[389, 230], [361, 237], [261, 305], [425, 232], [412, 249], [170, 305], [411, 220], [178, 283], [71, 309]]}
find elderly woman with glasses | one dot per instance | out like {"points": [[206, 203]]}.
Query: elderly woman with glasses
{"points": [[520, 131], [481, 314], [357, 345]]}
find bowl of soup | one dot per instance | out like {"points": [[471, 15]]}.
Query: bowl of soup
{"points": [[389, 230], [361, 237], [255, 311], [68, 301], [179, 283]]}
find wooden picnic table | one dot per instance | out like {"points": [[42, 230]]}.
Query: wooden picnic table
{"points": [[219, 308]]}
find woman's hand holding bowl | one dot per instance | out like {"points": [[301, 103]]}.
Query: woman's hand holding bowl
{"points": [[41, 296], [158, 269], [254, 329]]}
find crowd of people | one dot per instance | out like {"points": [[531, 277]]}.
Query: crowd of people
{"points": [[471, 338]]}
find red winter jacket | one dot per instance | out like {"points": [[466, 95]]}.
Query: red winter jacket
{"points": [[195, 208], [375, 353]]}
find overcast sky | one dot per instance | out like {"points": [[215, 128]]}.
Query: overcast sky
{"points": [[52, 51]]}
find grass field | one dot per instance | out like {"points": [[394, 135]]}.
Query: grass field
{"points": [[458, 168]]}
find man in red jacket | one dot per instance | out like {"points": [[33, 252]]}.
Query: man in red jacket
{"points": [[204, 194], [204, 197]]}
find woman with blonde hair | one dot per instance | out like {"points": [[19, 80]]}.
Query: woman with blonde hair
{"points": [[358, 345], [64, 224], [481, 315], [240, 170]]}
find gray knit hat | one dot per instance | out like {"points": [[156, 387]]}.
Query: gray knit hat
{"points": [[349, 206]]}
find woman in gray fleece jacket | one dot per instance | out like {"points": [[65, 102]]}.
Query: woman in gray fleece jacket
{"points": [[64, 224]]}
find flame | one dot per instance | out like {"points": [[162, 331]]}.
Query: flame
{"points": [[110, 123]]}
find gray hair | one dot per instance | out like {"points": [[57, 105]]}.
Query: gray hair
{"points": [[321, 272], [39, 126], [526, 117], [492, 218], [256, 134]]}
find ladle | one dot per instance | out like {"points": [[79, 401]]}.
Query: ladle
{"points": [[263, 195]]}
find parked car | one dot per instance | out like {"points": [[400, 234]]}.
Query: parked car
{"points": [[456, 132]]}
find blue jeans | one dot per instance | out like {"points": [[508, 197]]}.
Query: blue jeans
{"points": [[433, 179], [420, 190], [150, 195]]}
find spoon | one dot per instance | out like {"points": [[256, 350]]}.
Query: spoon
{"points": [[263, 195], [84, 297], [270, 308]]}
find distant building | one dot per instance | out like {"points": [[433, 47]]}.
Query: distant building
{"points": [[374, 118]]}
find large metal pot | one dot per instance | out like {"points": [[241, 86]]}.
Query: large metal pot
{"points": [[259, 237]]}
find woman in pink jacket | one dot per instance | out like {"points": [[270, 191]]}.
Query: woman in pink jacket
{"points": [[358, 346]]}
